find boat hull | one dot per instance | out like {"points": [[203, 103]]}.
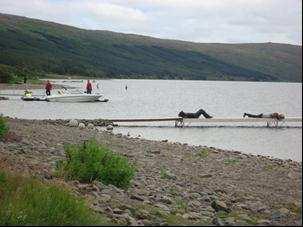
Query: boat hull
{"points": [[73, 98]]}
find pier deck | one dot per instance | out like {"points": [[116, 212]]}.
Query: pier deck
{"points": [[179, 122]]}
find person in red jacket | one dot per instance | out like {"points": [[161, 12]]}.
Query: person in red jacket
{"points": [[48, 87], [89, 87]]}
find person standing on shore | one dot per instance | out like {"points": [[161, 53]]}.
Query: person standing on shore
{"points": [[89, 87], [48, 88]]}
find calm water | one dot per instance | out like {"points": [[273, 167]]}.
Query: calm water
{"points": [[165, 98]]}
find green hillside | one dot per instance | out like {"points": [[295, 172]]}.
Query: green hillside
{"points": [[47, 47]]}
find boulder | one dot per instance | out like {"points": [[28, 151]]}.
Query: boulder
{"points": [[109, 127], [90, 126], [73, 123], [81, 125]]}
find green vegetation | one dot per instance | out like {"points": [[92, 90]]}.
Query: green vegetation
{"points": [[27, 201], [13, 75], [3, 127], [240, 218], [47, 47], [180, 206], [90, 161], [203, 153], [231, 161]]}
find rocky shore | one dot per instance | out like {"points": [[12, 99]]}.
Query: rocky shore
{"points": [[175, 184]]}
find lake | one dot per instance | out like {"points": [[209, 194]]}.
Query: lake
{"points": [[166, 98]]}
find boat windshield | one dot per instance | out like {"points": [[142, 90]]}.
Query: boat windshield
{"points": [[71, 91]]}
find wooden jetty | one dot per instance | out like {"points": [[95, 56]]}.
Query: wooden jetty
{"points": [[180, 122]]}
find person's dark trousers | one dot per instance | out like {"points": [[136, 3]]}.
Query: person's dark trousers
{"points": [[88, 92], [253, 115], [48, 92]]}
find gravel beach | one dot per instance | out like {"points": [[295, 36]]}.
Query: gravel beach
{"points": [[175, 183]]}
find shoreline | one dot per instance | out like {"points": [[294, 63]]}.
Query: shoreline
{"points": [[4, 86], [103, 123], [253, 188]]}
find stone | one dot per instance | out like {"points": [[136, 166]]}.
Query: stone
{"points": [[109, 127], [166, 200], [191, 216], [206, 175], [163, 207], [218, 221], [194, 204], [104, 198], [230, 220], [90, 126], [264, 222], [244, 217], [73, 123], [81, 126], [117, 211], [137, 197], [283, 211], [219, 205]]}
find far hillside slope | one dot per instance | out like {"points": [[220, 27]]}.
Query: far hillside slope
{"points": [[54, 48]]}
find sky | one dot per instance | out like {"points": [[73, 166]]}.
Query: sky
{"points": [[205, 21]]}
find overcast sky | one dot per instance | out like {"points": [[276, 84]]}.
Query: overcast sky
{"points": [[223, 21]]}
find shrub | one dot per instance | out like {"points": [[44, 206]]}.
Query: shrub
{"points": [[91, 161], [27, 201], [203, 153], [3, 127]]}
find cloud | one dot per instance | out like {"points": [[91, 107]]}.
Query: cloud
{"points": [[231, 21]]}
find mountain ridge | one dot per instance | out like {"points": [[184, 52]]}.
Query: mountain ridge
{"points": [[50, 47]]}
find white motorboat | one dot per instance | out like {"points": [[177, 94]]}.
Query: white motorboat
{"points": [[73, 96]]}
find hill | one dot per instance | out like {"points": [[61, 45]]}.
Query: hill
{"points": [[48, 47]]}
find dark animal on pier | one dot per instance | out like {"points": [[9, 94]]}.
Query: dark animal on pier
{"points": [[194, 115]]}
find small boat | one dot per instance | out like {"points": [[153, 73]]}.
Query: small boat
{"points": [[73, 96], [24, 98], [28, 96]]}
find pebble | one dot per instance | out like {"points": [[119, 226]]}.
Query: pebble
{"points": [[219, 205], [109, 127]]}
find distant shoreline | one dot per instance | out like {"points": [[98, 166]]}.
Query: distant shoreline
{"points": [[5, 86]]}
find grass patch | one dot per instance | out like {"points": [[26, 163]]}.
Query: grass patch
{"points": [[173, 219], [91, 161], [294, 208], [3, 127], [163, 173], [166, 174], [27, 201], [203, 153], [180, 206], [231, 161], [238, 217]]}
